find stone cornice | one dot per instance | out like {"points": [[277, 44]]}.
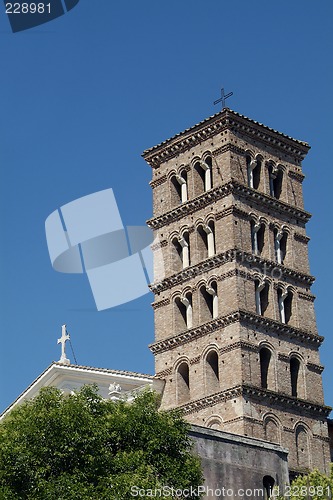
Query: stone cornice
{"points": [[161, 303], [231, 187], [241, 316], [284, 399], [274, 398], [224, 120], [232, 255]]}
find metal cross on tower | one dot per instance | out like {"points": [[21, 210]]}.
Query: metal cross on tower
{"points": [[223, 98], [64, 337]]}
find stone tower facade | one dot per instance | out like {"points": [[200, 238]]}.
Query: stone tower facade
{"points": [[235, 331]]}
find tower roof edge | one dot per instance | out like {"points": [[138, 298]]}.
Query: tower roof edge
{"points": [[226, 118]]}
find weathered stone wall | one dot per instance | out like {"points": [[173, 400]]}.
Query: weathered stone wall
{"points": [[238, 463]]}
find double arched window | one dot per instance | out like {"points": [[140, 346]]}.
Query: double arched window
{"points": [[253, 171], [179, 191], [257, 237], [261, 296], [181, 246], [203, 175], [285, 301], [208, 302], [275, 181], [183, 312], [206, 243], [280, 245]]}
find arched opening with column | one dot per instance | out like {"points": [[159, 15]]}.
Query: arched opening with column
{"points": [[183, 312], [179, 190], [261, 296], [208, 302]]}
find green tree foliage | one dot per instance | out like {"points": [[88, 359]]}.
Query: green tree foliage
{"points": [[314, 486], [82, 447]]}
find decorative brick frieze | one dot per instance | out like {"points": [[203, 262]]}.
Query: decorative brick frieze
{"points": [[248, 346], [195, 360], [265, 202], [274, 399], [159, 245], [300, 237], [226, 119], [164, 373], [298, 176], [228, 147], [245, 317], [283, 357], [161, 303], [315, 367], [158, 182], [232, 255], [306, 296]]}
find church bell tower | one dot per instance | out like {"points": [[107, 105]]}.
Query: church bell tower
{"points": [[235, 331]]}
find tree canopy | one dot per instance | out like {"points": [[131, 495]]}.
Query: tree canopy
{"points": [[80, 446]]}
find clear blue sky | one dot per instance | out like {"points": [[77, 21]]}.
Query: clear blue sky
{"points": [[84, 95]]}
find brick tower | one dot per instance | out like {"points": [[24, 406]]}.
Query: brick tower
{"points": [[235, 330]]}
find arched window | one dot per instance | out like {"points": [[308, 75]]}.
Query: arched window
{"points": [[275, 181], [209, 302], [212, 372], [183, 312], [183, 383], [294, 374], [253, 172], [258, 237], [302, 446], [272, 433], [261, 296], [265, 359], [203, 175], [179, 188], [285, 299], [206, 240], [184, 243], [268, 484], [280, 239]]}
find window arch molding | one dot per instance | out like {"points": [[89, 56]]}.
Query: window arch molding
{"points": [[297, 375], [286, 302], [272, 427], [205, 231], [303, 435], [214, 422], [181, 371], [263, 285], [259, 226], [211, 368], [267, 360], [182, 309]]}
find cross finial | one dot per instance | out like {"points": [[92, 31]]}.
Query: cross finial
{"points": [[64, 337], [223, 98]]}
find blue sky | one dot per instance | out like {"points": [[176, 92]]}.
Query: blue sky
{"points": [[85, 94]]}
